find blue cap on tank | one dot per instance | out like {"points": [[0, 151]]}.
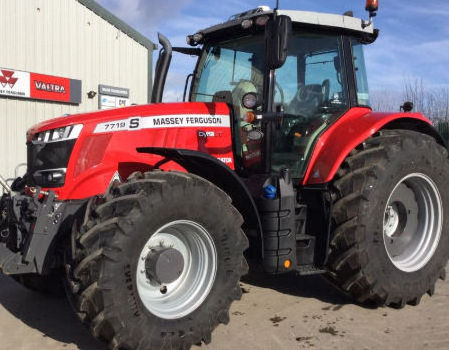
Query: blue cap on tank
{"points": [[269, 192]]}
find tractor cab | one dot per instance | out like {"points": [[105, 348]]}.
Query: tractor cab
{"points": [[286, 75]]}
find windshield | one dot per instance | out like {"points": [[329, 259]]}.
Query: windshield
{"points": [[311, 89], [226, 72], [226, 66]]}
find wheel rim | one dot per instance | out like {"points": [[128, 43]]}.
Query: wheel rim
{"points": [[413, 222], [186, 293]]}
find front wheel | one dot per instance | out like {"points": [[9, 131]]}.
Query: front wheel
{"points": [[391, 218], [158, 263]]}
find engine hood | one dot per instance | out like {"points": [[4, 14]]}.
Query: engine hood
{"points": [[160, 109]]}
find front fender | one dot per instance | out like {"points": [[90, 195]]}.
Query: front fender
{"points": [[222, 176], [352, 129]]}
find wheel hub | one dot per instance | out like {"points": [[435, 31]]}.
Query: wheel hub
{"points": [[396, 216], [164, 265], [176, 269], [392, 221], [413, 220]]}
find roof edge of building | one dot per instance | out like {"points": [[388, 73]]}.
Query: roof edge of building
{"points": [[118, 23]]}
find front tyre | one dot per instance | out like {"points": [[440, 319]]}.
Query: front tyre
{"points": [[391, 218], [158, 263]]}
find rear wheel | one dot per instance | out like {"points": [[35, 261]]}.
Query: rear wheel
{"points": [[158, 262], [390, 242]]}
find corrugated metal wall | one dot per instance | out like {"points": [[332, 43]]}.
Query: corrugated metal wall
{"points": [[62, 38]]}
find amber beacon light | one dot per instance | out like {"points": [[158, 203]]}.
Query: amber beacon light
{"points": [[372, 5]]}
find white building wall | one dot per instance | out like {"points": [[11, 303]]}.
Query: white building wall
{"points": [[61, 38]]}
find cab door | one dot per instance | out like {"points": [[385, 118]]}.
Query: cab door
{"points": [[311, 89]]}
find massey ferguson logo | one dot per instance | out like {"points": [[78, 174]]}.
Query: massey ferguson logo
{"points": [[7, 78], [40, 85]]}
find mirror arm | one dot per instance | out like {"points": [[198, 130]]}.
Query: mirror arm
{"points": [[191, 51], [191, 75]]}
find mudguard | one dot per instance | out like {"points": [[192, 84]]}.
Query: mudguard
{"points": [[357, 125], [221, 175]]}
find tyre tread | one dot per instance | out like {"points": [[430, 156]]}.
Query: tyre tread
{"points": [[347, 257], [105, 220]]}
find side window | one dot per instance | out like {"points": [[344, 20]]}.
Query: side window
{"points": [[360, 73], [324, 69]]}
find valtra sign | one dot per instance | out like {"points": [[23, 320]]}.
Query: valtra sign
{"points": [[15, 83]]}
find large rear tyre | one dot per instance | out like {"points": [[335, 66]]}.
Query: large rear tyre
{"points": [[390, 240], [158, 263]]}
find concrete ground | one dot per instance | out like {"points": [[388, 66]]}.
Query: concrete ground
{"points": [[280, 313]]}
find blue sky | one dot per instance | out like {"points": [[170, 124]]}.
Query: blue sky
{"points": [[414, 39]]}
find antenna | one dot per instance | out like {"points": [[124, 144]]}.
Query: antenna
{"points": [[277, 5]]}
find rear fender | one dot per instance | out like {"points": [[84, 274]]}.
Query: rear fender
{"points": [[352, 129], [221, 175]]}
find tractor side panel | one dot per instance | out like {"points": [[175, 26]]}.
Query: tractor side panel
{"points": [[106, 148], [335, 144]]}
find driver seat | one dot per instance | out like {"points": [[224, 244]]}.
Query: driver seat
{"points": [[307, 100]]}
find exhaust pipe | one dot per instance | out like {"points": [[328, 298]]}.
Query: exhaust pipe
{"points": [[5, 185], [162, 65]]}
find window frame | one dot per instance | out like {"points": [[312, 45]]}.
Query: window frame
{"points": [[352, 41], [348, 82]]}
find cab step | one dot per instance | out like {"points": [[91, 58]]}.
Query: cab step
{"points": [[307, 270]]}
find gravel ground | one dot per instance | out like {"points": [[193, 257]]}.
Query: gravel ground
{"points": [[275, 313]]}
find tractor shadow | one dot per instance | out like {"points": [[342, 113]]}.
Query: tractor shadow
{"points": [[309, 287], [50, 316]]}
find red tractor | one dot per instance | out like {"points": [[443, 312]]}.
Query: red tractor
{"points": [[144, 213]]}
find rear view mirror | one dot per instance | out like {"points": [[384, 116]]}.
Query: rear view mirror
{"points": [[407, 106], [278, 32]]}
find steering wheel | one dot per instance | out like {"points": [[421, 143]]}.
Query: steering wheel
{"points": [[289, 126], [299, 124]]}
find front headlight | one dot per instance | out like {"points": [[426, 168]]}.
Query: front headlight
{"points": [[65, 133]]}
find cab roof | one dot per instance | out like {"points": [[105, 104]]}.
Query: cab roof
{"points": [[328, 20], [324, 20]]}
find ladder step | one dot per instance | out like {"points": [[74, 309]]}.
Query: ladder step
{"points": [[307, 270]]}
